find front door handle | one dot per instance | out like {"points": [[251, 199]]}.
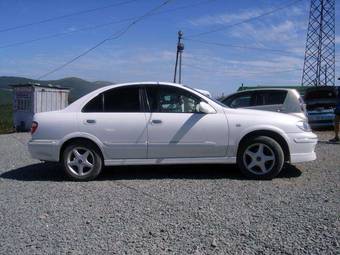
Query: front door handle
{"points": [[156, 121], [91, 121]]}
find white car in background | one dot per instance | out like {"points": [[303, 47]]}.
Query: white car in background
{"points": [[165, 123]]}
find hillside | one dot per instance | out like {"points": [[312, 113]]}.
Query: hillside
{"points": [[79, 87], [5, 97]]}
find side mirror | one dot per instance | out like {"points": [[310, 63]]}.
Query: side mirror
{"points": [[205, 108]]}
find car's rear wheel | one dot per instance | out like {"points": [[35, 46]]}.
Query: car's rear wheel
{"points": [[82, 161], [260, 158]]}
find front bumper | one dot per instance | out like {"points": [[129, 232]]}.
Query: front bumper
{"points": [[302, 147], [302, 157], [46, 150]]}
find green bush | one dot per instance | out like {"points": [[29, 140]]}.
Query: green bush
{"points": [[6, 119]]}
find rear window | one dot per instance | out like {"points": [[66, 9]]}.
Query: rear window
{"points": [[321, 93], [270, 97], [320, 107]]}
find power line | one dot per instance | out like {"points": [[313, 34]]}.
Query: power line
{"points": [[246, 20], [61, 34], [280, 71], [64, 16], [114, 36], [275, 51], [98, 26]]}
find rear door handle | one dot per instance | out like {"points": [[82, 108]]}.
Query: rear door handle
{"points": [[91, 121], [156, 121]]}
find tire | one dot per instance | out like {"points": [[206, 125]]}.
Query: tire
{"points": [[82, 161], [260, 158]]}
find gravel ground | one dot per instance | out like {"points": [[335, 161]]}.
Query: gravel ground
{"points": [[168, 210]]}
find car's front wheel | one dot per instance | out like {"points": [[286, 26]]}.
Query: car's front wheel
{"points": [[82, 161], [260, 157]]}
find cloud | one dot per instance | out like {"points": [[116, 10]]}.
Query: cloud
{"points": [[71, 29], [337, 39], [226, 18], [282, 67], [229, 17], [283, 31]]}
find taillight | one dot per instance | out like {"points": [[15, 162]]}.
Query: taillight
{"points": [[302, 105], [34, 127]]}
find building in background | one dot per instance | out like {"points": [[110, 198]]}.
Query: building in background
{"points": [[32, 98]]}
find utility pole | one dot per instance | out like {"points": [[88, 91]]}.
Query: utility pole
{"points": [[180, 48]]}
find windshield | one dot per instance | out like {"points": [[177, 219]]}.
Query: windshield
{"points": [[219, 102]]}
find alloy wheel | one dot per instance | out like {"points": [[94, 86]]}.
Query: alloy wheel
{"points": [[80, 161], [259, 158]]}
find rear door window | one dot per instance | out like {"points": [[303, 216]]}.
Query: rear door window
{"points": [[240, 100], [121, 99], [95, 105], [271, 97]]}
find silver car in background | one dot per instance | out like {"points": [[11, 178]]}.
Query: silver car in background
{"points": [[281, 100], [321, 102]]}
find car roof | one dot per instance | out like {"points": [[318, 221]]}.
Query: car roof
{"points": [[76, 104], [261, 89], [258, 89], [139, 83]]}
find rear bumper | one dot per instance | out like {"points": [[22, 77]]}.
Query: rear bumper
{"points": [[317, 119], [329, 123], [46, 150]]}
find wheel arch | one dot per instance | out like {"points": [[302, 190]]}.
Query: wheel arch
{"points": [[79, 139], [272, 134]]}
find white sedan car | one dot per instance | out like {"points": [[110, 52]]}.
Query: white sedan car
{"points": [[165, 123]]}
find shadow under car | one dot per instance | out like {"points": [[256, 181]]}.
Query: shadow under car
{"points": [[54, 172]]}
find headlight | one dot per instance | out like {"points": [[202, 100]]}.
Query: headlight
{"points": [[303, 125]]}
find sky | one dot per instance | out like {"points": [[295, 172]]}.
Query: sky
{"points": [[147, 51]]}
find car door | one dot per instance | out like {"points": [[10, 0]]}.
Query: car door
{"points": [[116, 118], [177, 129]]}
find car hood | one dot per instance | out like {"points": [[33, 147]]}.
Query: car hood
{"points": [[262, 119], [268, 114]]}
